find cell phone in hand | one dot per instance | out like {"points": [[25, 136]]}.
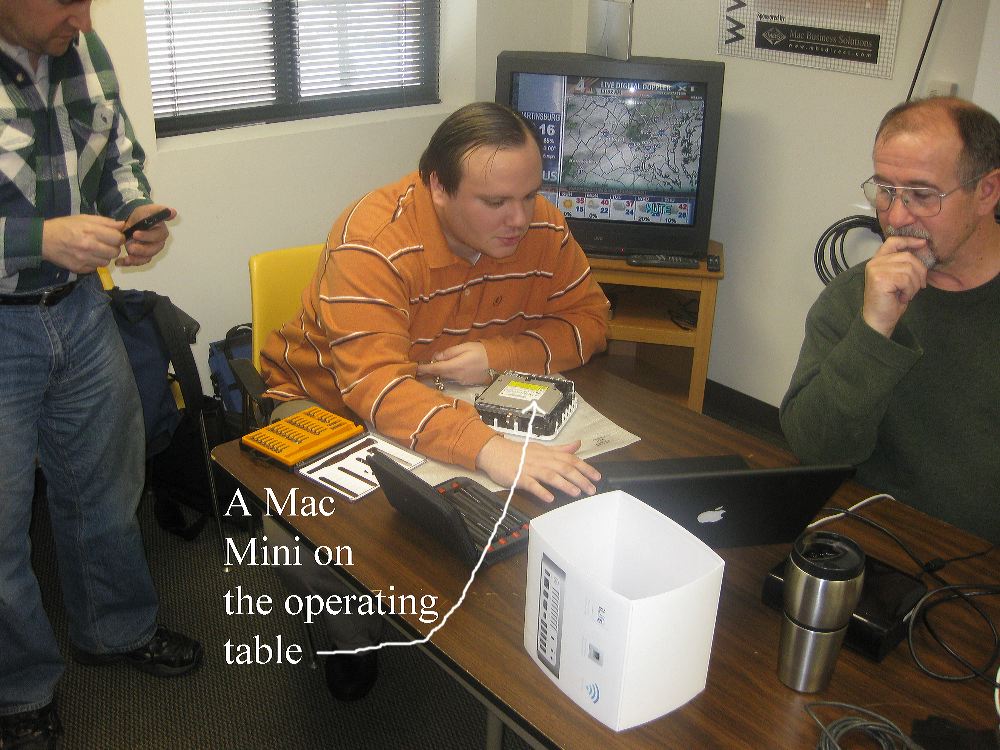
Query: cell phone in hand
{"points": [[147, 223]]}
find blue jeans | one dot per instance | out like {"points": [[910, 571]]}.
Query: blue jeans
{"points": [[68, 398]]}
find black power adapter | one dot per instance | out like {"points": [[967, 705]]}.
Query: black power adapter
{"points": [[879, 621]]}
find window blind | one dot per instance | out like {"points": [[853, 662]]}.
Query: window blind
{"points": [[218, 63]]}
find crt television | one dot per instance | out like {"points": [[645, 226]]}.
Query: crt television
{"points": [[628, 147]]}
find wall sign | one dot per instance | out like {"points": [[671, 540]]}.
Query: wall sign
{"points": [[851, 36]]}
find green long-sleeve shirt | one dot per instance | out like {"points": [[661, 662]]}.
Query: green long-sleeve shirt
{"points": [[66, 150], [918, 413]]}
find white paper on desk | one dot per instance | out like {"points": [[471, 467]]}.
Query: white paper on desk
{"points": [[346, 472], [597, 435]]}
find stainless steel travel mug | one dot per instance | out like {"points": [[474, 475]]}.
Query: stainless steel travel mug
{"points": [[823, 580]]}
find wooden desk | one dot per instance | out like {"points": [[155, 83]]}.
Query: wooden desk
{"points": [[744, 704], [642, 314]]}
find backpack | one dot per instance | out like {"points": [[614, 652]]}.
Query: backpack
{"points": [[158, 336], [136, 315], [178, 476], [236, 345]]}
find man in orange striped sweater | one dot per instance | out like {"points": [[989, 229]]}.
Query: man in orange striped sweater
{"points": [[451, 272]]}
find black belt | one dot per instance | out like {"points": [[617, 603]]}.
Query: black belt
{"points": [[48, 298]]}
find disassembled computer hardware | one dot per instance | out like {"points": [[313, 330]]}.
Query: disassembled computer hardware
{"points": [[505, 405]]}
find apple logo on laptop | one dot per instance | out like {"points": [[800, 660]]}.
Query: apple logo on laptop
{"points": [[712, 516]]}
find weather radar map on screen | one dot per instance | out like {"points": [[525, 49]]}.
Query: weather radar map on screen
{"points": [[629, 147], [617, 149]]}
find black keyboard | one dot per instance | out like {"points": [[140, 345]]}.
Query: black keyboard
{"points": [[460, 512]]}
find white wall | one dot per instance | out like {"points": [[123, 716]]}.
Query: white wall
{"points": [[987, 92], [543, 25], [795, 146], [244, 190]]}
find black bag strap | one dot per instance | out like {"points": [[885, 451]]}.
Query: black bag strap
{"points": [[239, 332], [178, 330]]}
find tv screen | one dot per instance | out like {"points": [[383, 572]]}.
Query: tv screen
{"points": [[629, 148]]}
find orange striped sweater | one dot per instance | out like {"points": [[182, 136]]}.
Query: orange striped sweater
{"points": [[388, 293]]}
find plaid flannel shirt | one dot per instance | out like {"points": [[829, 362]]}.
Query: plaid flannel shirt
{"points": [[75, 153]]}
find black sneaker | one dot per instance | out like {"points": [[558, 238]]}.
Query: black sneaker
{"points": [[168, 654], [31, 730], [350, 677]]}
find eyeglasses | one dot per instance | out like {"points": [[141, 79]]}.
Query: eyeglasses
{"points": [[919, 201]]}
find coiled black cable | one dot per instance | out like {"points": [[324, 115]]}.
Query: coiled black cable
{"points": [[829, 256], [874, 726], [945, 592]]}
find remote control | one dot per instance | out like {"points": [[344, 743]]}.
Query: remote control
{"points": [[713, 263], [663, 261]]}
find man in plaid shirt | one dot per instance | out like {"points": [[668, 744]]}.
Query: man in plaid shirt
{"points": [[71, 180]]}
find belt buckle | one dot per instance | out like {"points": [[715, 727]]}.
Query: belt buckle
{"points": [[50, 297]]}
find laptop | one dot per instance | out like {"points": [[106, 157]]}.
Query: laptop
{"points": [[725, 503]]}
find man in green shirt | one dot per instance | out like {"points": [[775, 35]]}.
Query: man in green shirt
{"points": [[898, 372]]}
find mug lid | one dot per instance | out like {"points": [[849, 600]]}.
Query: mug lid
{"points": [[827, 555]]}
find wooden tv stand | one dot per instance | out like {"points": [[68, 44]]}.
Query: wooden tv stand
{"points": [[642, 315]]}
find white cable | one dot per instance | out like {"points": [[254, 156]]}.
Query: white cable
{"points": [[859, 504], [996, 695], [533, 407]]}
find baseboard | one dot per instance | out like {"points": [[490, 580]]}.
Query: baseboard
{"points": [[728, 404]]}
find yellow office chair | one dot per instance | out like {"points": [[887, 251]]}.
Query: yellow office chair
{"points": [[277, 278]]}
